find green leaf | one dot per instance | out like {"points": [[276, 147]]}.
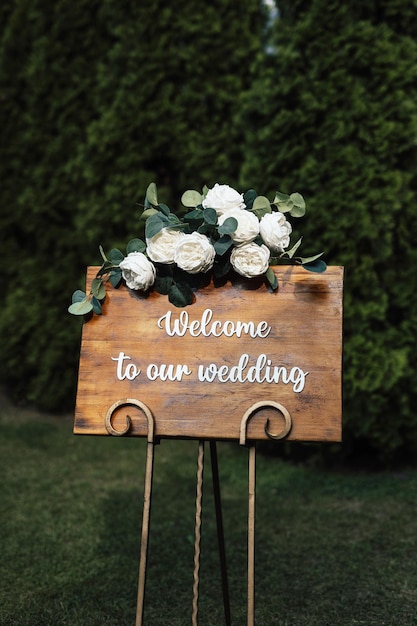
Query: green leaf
{"points": [[318, 266], [115, 277], [249, 198], [81, 307], [102, 253], [98, 289], [164, 209], [152, 195], [96, 305], [222, 267], [223, 244], [105, 268], [299, 208], [78, 296], [290, 253], [310, 259], [180, 294], [196, 214], [210, 216], [191, 198], [229, 226], [280, 197], [154, 224], [271, 278], [135, 245], [147, 213], [261, 206], [115, 256], [283, 202], [163, 284]]}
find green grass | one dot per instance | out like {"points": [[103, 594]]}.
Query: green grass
{"points": [[332, 548]]}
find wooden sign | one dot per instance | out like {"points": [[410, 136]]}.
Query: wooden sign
{"points": [[238, 353]]}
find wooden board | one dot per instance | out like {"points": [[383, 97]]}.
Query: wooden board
{"points": [[237, 345]]}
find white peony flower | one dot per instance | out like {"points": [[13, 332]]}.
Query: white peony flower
{"points": [[250, 260], [247, 225], [275, 231], [138, 272], [194, 253], [161, 247], [223, 198]]}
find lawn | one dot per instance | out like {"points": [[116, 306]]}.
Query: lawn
{"points": [[332, 547]]}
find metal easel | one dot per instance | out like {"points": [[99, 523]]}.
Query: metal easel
{"points": [[249, 414]]}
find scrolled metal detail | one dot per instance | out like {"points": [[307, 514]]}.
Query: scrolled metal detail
{"points": [[264, 405], [128, 402]]}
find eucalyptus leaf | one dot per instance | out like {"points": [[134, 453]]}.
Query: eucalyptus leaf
{"points": [[154, 224], [115, 256], [105, 268], [280, 197], [283, 202], [147, 213], [180, 294], [164, 209], [205, 228], [271, 278], [249, 198], [81, 307], [205, 191], [152, 195], [299, 205], [162, 284], [223, 244], [115, 277], [174, 220], [298, 200], [311, 259], [210, 216], [229, 226], [96, 305], [98, 289], [136, 245], [195, 215], [191, 198], [222, 267], [318, 266], [262, 202], [294, 249], [78, 296], [261, 206]]}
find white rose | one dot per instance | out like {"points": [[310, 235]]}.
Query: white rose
{"points": [[250, 260], [247, 225], [275, 231], [194, 253], [161, 247], [223, 198], [138, 271]]}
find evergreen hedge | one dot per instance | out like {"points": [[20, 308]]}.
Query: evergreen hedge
{"points": [[101, 97], [333, 114]]}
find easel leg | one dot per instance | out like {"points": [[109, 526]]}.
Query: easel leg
{"points": [[197, 537], [251, 535], [220, 531], [145, 532]]}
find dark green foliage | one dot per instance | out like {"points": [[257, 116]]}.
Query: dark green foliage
{"points": [[333, 114], [98, 98]]}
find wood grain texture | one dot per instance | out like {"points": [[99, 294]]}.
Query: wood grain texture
{"points": [[305, 316]]}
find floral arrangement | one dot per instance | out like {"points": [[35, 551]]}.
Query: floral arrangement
{"points": [[223, 231]]}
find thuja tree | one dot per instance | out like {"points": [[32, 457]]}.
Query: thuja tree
{"points": [[333, 114], [99, 98]]}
